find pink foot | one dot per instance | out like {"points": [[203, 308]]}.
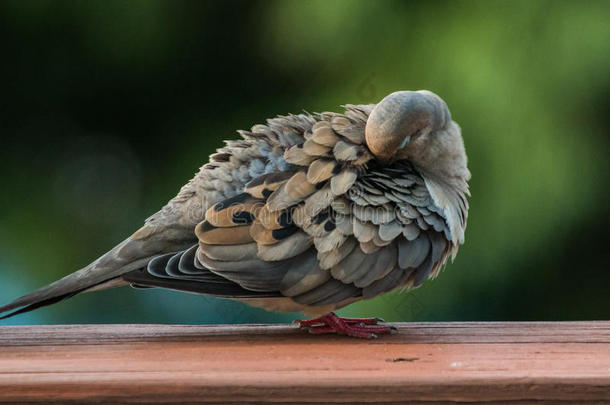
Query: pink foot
{"points": [[365, 328]]}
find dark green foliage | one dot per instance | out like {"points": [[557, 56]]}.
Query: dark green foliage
{"points": [[107, 108]]}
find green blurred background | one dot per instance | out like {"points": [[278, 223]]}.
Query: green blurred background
{"points": [[108, 107]]}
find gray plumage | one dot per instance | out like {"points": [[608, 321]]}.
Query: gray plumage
{"points": [[317, 210]]}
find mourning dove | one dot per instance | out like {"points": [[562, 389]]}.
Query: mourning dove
{"points": [[308, 213]]}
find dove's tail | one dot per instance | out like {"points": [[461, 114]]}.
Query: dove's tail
{"points": [[103, 273]]}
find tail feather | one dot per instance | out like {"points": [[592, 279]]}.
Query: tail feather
{"points": [[36, 305], [127, 256]]}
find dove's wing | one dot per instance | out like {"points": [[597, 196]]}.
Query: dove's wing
{"points": [[331, 229]]}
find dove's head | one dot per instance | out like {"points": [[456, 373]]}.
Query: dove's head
{"points": [[417, 125]]}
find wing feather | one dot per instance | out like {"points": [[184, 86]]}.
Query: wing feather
{"points": [[324, 230]]}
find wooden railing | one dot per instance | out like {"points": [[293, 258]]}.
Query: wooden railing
{"points": [[520, 362]]}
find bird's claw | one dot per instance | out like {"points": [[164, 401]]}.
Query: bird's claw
{"points": [[366, 328]]}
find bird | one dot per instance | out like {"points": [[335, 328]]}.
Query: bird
{"points": [[306, 213]]}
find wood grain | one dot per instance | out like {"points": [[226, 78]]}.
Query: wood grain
{"points": [[522, 362]]}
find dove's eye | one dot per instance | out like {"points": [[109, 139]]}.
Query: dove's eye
{"points": [[405, 142]]}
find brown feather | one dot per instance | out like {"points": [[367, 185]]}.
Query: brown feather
{"points": [[247, 251], [274, 219], [238, 214], [318, 201], [212, 235], [266, 236], [320, 170], [345, 127], [364, 231], [324, 135], [297, 156], [315, 149], [330, 241], [346, 151], [342, 182], [261, 235], [295, 190], [285, 249], [262, 186], [369, 247]]}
